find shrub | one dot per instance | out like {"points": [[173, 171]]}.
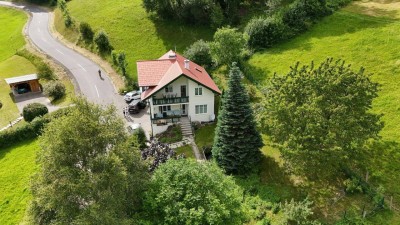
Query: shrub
{"points": [[55, 89], [210, 12], [33, 110], [199, 52], [86, 31], [264, 32], [353, 185], [67, 19], [227, 46], [102, 42], [186, 192], [302, 13], [44, 70], [22, 133]]}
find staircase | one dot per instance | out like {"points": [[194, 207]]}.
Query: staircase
{"points": [[186, 127]]}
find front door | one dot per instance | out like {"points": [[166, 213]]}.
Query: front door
{"points": [[183, 91], [183, 108]]}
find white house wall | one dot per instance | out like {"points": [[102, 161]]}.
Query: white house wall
{"points": [[207, 98]]}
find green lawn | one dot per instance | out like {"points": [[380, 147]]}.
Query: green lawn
{"points": [[11, 38], [131, 29], [204, 136], [11, 65], [17, 164], [187, 150], [361, 40]]}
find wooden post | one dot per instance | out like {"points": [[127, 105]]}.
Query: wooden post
{"points": [[367, 176], [364, 213]]}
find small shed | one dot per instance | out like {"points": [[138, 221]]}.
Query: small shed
{"points": [[24, 84]]}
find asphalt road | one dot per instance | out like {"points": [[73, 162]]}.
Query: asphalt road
{"points": [[84, 71]]}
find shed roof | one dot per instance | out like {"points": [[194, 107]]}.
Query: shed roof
{"points": [[19, 79]]}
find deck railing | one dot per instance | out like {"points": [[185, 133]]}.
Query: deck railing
{"points": [[166, 101]]}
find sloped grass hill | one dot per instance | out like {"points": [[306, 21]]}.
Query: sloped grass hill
{"points": [[371, 41], [17, 164], [131, 29]]}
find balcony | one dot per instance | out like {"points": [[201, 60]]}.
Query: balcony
{"points": [[173, 100]]}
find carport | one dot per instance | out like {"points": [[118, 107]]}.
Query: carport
{"points": [[24, 84]]}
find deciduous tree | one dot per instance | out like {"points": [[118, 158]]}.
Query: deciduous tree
{"points": [[320, 117], [187, 192], [227, 46], [87, 174]]}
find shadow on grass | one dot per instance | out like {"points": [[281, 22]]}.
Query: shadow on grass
{"points": [[176, 34], [4, 152], [271, 184]]}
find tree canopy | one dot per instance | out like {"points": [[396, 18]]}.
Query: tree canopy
{"points": [[320, 116], [187, 192], [237, 142], [227, 46], [88, 173]]}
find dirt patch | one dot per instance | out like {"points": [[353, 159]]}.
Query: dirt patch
{"points": [[378, 8]]}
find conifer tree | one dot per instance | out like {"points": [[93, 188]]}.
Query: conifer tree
{"points": [[237, 142]]}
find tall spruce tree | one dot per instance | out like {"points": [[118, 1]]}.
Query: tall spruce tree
{"points": [[237, 142]]}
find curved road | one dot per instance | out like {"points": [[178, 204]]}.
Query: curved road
{"points": [[84, 71]]}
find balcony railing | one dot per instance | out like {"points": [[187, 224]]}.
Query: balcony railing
{"points": [[166, 101]]}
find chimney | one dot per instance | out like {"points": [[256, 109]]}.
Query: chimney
{"points": [[187, 64]]}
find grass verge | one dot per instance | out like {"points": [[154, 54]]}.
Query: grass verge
{"points": [[17, 164], [186, 150]]}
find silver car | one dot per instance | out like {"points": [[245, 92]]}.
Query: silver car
{"points": [[132, 95]]}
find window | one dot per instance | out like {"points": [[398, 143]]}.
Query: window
{"points": [[168, 89], [198, 91], [201, 109], [164, 108]]}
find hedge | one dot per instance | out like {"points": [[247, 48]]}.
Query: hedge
{"points": [[28, 131]]}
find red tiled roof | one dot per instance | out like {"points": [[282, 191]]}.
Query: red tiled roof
{"points": [[159, 73]]}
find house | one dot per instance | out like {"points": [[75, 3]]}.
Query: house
{"points": [[176, 87], [24, 84]]}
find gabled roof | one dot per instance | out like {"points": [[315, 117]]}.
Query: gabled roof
{"points": [[19, 79], [156, 74]]}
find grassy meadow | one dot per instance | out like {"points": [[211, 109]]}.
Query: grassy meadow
{"points": [[131, 29], [17, 164], [364, 36]]}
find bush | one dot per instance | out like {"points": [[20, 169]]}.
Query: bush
{"points": [[302, 13], [67, 19], [264, 32], [186, 192], [227, 46], [210, 12], [199, 52], [55, 89], [33, 110], [102, 42], [86, 31], [353, 185], [22, 133], [44, 70]]}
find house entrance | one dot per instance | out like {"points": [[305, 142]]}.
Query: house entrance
{"points": [[183, 109]]}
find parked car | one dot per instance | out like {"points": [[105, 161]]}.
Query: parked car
{"points": [[135, 106], [133, 95]]}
